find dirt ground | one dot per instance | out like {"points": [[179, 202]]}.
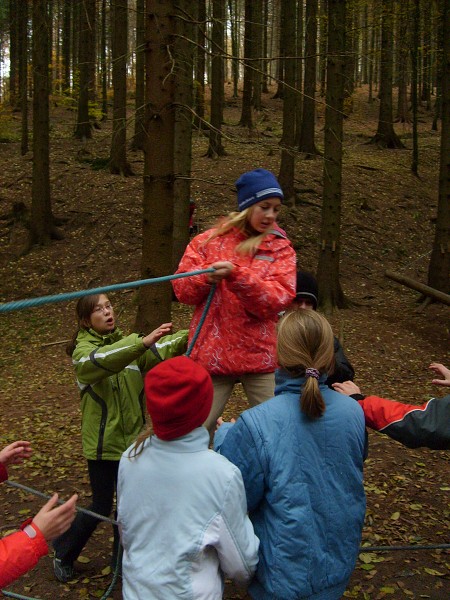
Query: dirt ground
{"points": [[390, 337]]}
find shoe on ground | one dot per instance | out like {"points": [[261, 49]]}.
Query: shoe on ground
{"points": [[63, 573]]}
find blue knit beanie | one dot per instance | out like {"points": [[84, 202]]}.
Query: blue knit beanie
{"points": [[254, 186]]}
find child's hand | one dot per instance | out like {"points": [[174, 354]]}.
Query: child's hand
{"points": [[441, 370], [15, 453], [347, 387], [54, 520], [220, 422], [158, 333], [222, 268]]}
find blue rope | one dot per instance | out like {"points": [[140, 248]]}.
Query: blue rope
{"points": [[202, 319], [28, 303]]}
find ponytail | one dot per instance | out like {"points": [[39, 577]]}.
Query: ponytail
{"points": [[305, 348]]}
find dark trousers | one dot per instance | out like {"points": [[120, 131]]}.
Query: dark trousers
{"points": [[103, 479]]}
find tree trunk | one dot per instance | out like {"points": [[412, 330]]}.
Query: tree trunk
{"points": [[330, 291], [199, 89], [385, 136], [234, 46], [402, 61], [22, 17], [287, 166], [103, 69], [307, 142], [257, 43], [118, 156], [215, 148], [246, 110], [139, 127], [83, 128], [439, 268], [184, 56], [67, 17], [154, 301], [41, 222], [13, 53], [414, 92]]}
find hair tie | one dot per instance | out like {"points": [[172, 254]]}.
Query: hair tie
{"points": [[312, 373]]}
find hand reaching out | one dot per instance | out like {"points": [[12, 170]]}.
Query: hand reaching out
{"points": [[15, 453], [347, 387], [157, 334], [53, 520], [443, 371]]}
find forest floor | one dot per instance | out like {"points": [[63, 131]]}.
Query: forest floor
{"points": [[388, 221]]}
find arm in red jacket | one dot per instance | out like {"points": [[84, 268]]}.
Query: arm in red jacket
{"points": [[19, 553], [425, 425]]}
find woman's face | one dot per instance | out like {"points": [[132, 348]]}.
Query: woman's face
{"points": [[264, 214], [102, 317]]}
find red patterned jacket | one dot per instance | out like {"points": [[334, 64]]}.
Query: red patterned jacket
{"points": [[18, 552], [426, 425], [238, 335]]}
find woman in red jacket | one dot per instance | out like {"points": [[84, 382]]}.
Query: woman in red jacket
{"points": [[254, 270], [20, 551]]}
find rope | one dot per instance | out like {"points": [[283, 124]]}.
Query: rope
{"points": [[202, 319], [414, 547], [47, 497], [28, 303]]}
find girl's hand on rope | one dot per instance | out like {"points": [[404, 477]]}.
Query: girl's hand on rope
{"points": [[443, 371], [53, 519], [155, 335], [346, 387], [15, 453], [222, 271]]}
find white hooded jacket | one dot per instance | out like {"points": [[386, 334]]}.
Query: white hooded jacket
{"points": [[183, 517]]}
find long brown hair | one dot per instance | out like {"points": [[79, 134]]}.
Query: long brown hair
{"points": [[305, 341], [83, 310]]}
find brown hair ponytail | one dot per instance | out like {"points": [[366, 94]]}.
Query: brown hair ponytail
{"points": [[305, 348]]}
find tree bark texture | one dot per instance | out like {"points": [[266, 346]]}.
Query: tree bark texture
{"points": [[154, 301], [330, 291], [439, 268], [216, 148]]}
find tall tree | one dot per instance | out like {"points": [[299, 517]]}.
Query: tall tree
{"points": [[246, 110], [22, 17], [330, 291], [118, 155], [307, 143], [103, 69], [439, 268], [385, 136], [66, 54], [215, 147], [287, 165], [154, 301], [86, 56], [183, 96], [41, 223], [139, 131], [200, 62], [13, 53]]}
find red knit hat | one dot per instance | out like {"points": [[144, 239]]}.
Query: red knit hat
{"points": [[179, 395]]}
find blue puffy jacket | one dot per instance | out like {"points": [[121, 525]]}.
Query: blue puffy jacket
{"points": [[304, 484]]}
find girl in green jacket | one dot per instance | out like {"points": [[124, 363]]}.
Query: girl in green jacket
{"points": [[109, 368]]}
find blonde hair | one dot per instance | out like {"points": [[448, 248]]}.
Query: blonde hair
{"points": [[241, 221], [306, 341], [139, 443]]}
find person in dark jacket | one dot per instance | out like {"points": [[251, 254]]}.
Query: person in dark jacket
{"points": [[307, 296], [424, 425], [301, 458]]}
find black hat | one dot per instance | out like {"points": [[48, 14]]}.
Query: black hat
{"points": [[307, 287]]}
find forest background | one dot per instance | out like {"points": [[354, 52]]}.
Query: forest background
{"points": [[114, 115]]}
